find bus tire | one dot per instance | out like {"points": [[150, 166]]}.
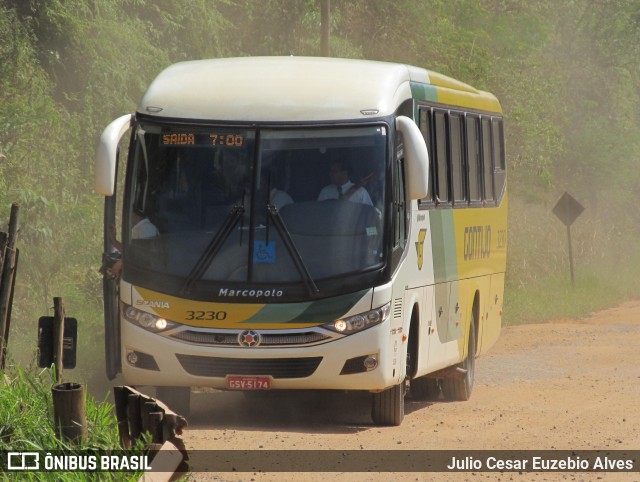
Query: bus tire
{"points": [[424, 389], [177, 399], [387, 407], [459, 389]]}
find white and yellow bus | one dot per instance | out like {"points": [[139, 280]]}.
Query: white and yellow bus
{"points": [[306, 223]]}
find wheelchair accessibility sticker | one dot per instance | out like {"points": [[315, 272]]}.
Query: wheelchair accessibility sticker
{"points": [[264, 252]]}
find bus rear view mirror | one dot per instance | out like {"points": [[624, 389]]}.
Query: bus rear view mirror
{"points": [[106, 152], [416, 158]]}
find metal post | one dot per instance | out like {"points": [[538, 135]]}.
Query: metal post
{"points": [[573, 282]]}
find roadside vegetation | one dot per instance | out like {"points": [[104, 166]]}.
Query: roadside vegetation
{"points": [[28, 392], [566, 74]]}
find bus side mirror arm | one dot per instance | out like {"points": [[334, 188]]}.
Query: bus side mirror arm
{"points": [[416, 158], [106, 152]]}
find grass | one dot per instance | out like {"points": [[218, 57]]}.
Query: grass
{"points": [[26, 424], [597, 286], [606, 257]]}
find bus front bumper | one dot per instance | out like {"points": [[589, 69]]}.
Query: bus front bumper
{"points": [[342, 364]]}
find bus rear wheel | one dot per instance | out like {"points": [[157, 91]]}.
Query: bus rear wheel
{"points": [[177, 399], [459, 389], [387, 407]]}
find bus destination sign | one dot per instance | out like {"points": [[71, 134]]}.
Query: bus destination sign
{"points": [[202, 139]]}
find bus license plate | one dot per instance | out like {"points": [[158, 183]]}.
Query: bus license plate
{"points": [[240, 382]]}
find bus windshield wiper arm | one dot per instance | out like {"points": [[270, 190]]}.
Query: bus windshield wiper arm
{"points": [[203, 263], [272, 213]]}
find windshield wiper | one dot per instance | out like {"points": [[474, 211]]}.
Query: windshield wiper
{"points": [[272, 213], [203, 263]]}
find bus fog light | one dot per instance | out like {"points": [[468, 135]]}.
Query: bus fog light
{"points": [[132, 358], [371, 362]]}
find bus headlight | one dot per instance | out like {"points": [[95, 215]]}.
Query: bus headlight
{"points": [[359, 322], [146, 320]]}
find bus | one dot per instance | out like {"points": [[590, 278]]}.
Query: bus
{"points": [[292, 223]]}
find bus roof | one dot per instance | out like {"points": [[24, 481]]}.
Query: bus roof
{"points": [[295, 89]]}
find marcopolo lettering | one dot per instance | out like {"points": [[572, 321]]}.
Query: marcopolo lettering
{"points": [[477, 242], [250, 293]]}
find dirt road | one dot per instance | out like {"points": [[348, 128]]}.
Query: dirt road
{"points": [[569, 384]]}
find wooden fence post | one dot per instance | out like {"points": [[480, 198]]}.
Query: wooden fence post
{"points": [[69, 411], [58, 337], [6, 281]]}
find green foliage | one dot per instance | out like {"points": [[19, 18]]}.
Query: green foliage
{"points": [[28, 393]]}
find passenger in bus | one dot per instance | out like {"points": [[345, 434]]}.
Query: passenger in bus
{"points": [[341, 186]]}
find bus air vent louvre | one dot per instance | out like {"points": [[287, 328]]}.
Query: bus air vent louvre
{"points": [[397, 308], [231, 339]]}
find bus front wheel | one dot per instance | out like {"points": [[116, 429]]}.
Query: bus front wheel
{"points": [[387, 406]]}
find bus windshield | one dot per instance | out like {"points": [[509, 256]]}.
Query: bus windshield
{"points": [[256, 205]]}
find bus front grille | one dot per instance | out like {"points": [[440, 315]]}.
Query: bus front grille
{"points": [[205, 366], [268, 339]]}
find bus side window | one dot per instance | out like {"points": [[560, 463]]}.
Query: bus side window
{"points": [[487, 159], [457, 166], [426, 130], [473, 159], [399, 194], [442, 168], [498, 156]]}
